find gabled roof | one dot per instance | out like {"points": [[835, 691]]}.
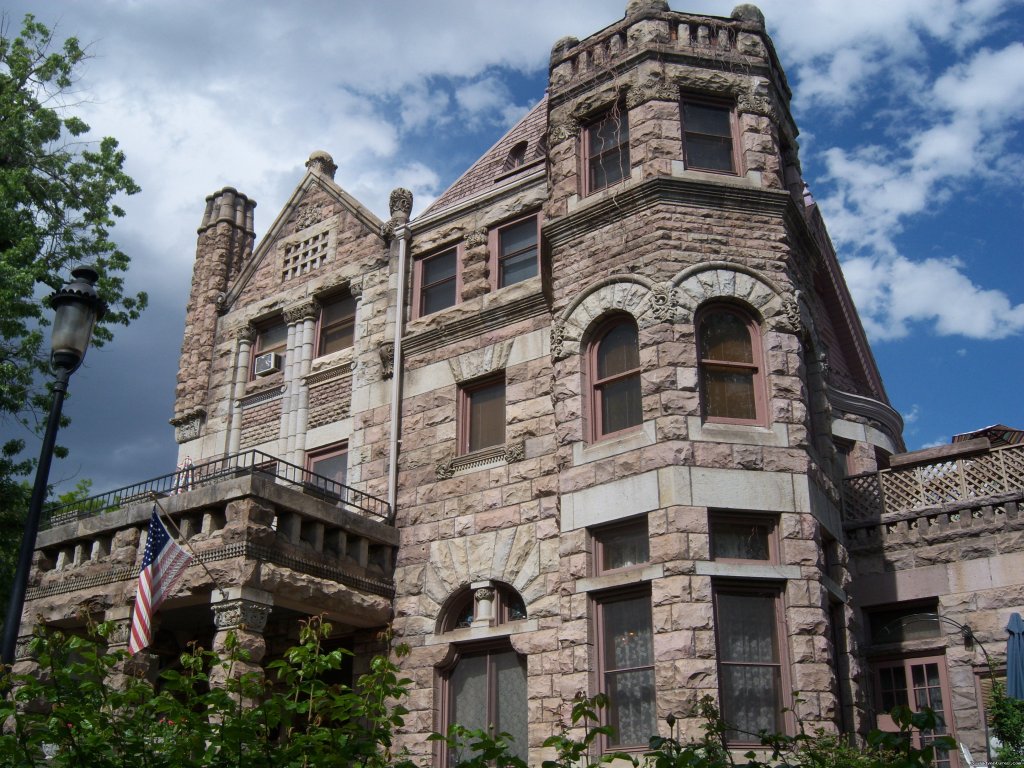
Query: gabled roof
{"points": [[998, 434], [314, 176], [493, 165]]}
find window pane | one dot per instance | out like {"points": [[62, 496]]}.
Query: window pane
{"points": [[332, 467], [893, 687], [438, 297], [336, 338], [469, 692], [704, 118], [621, 406], [730, 394], [709, 152], [486, 416], [510, 701], [897, 625], [627, 633], [608, 150], [519, 237], [622, 547], [440, 267], [725, 336], [746, 628], [273, 339], [608, 132], [517, 268], [631, 711], [337, 325], [618, 351], [740, 541], [750, 700]]}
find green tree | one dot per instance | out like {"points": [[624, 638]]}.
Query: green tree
{"points": [[57, 206]]}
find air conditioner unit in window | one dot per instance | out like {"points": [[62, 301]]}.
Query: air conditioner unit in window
{"points": [[267, 363]]}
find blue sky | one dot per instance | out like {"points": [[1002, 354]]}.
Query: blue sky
{"points": [[911, 113]]}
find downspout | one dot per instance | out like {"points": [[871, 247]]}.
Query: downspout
{"points": [[403, 235]]}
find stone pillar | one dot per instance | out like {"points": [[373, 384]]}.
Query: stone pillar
{"points": [[301, 319], [244, 338], [141, 666], [243, 614]]}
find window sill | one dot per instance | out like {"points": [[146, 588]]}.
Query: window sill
{"points": [[469, 634], [485, 458], [747, 570], [639, 437], [627, 576], [777, 436], [750, 179]]}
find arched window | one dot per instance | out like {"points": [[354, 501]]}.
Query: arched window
{"points": [[483, 685], [615, 377], [731, 374], [516, 156]]}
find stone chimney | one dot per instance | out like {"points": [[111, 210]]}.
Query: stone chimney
{"points": [[225, 244]]}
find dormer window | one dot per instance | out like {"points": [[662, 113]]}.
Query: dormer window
{"points": [[516, 156]]}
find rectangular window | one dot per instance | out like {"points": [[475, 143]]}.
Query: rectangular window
{"points": [[514, 252], [708, 130], [606, 149], [743, 538], [436, 282], [621, 545], [482, 415], [270, 338], [900, 623], [915, 682], [626, 667], [337, 325], [751, 681], [330, 467]]}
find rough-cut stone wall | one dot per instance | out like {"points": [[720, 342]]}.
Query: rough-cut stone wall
{"points": [[261, 423], [330, 401]]}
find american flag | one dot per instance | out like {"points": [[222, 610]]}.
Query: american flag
{"points": [[162, 565]]}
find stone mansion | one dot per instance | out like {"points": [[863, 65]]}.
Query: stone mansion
{"points": [[602, 418]]}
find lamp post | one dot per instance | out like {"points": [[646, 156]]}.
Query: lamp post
{"points": [[77, 309]]}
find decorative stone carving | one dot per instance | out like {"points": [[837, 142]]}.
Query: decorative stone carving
{"points": [[321, 162], [755, 104], [222, 302], [445, 469], [663, 302], [387, 230], [23, 648], [557, 341], [400, 201], [476, 238], [306, 310], [120, 633], [788, 318], [309, 215], [188, 425], [484, 593], [567, 129], [241, 614], [480, 362], [386, 350], [658, 91], [247, 333], [515, 451], [355, 289]]}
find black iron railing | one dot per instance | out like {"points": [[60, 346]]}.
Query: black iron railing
{"points": [[193, 476]]}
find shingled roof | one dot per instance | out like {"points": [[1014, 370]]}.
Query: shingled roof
{"points": [[497, 164]]}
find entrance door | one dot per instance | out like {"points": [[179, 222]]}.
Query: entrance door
{"points": [[916, 682]]}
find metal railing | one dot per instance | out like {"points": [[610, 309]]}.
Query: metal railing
{"points": [[195, 476]]}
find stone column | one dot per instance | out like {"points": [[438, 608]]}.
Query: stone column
{"points": [[142, 666], [243, 614], [301, 319], [244, 338]]}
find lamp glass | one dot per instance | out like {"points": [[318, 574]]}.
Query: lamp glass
{"points": [[72, 329]]}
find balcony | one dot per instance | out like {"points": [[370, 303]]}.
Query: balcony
{"points": [[956, 490], [249, 520]]}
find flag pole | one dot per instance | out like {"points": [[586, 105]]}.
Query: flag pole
{"points": [[195, 555]]}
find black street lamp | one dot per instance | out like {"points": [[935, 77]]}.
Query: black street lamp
{"points": [[77, 308]]}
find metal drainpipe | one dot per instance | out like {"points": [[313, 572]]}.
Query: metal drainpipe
{"points": [[396, 367]]}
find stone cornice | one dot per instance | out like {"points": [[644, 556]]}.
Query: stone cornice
{"points": [[417, 226], [665, 189], [499, 315], [869, 408]]}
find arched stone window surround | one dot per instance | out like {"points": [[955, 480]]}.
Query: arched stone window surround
{"points": [[597, 397], [719, 280], [630, 294], [752, 366]]}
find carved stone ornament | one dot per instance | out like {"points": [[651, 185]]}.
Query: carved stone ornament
{"points": [[355, 289], [120, 632], [386, 350], [387, 230], [788, 318], [663, 302], [241, 614], [307, 310], [322, 162], [188, 425], [755, 104], [567, 129], [23, 648], [445, 469], [641, 94], [246, 334], [308, 215], [400, 201], [476, 238], [557, 341], [515, 451], [484, 593], [222, 300]]}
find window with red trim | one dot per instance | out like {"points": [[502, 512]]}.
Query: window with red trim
{"points": [[436, 282], [330, 467], [337, 324], [482, 414], [708, 130], [270, 337], [606, 149], [514, 252], [615, 377], [732, 385], [916, 682]]}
